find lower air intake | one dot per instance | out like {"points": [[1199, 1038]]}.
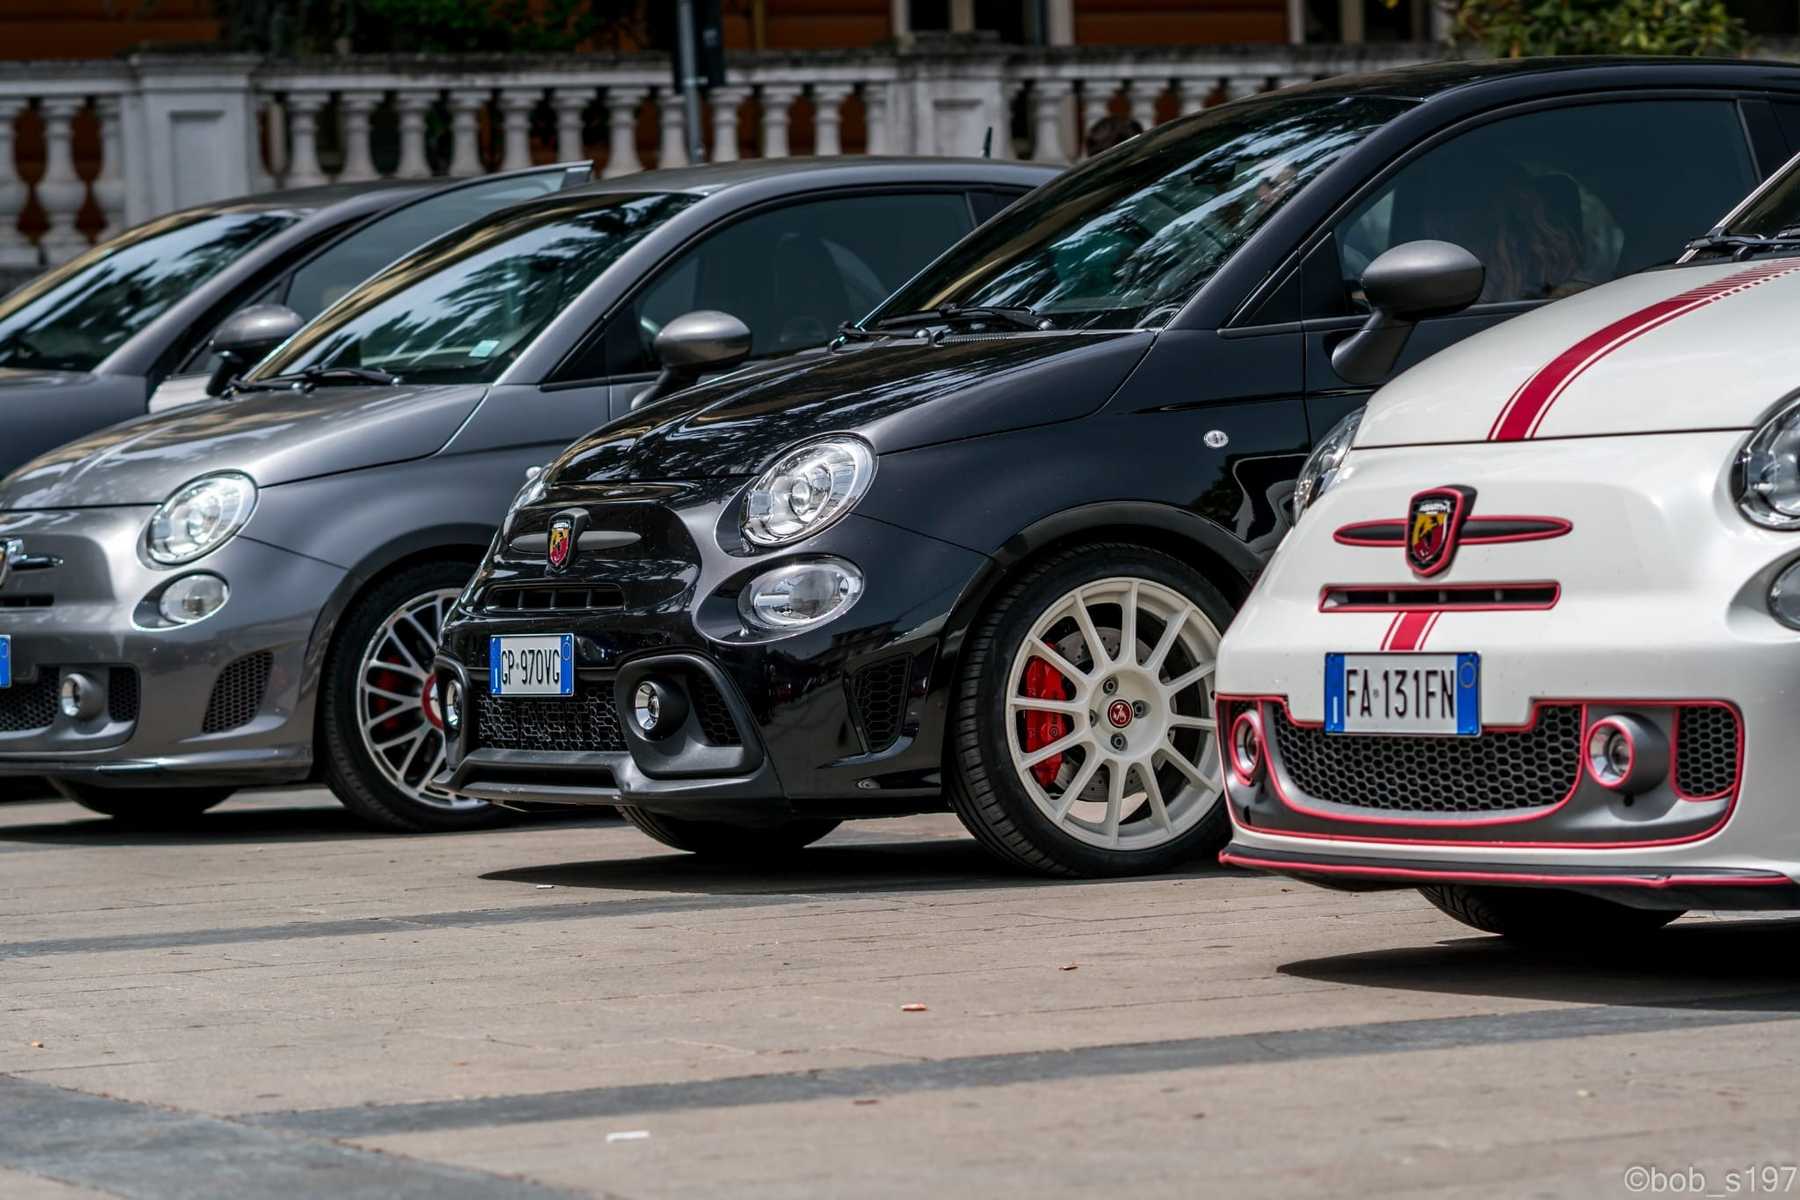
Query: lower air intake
{"points": [[585, 723], [1706, 750], [238, 695], [878, 694]]}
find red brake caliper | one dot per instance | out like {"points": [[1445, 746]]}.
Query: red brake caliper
{"points": [[1042, 682]]}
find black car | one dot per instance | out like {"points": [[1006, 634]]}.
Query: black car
{"points": [[123, 329], [980, 556]]}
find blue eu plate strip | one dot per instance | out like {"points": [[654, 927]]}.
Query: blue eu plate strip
{"points": [[493, 666], [1468, 695], [568, 664], [1334, 693], [5, 661]]}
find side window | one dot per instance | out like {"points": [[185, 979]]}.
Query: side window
{"points": [[793, 274], [1555, 202], [989, 204], [339, 268], [1789, 117]]}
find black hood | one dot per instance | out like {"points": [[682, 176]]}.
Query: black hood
{"points": [[898, 394]]}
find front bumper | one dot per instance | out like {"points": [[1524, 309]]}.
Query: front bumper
{"points": [[227, 700], [1659, 613], [844, 719]]}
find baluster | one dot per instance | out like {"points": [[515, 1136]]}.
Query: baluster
{"points": [[621, 121], [571, 122], [356, 108], [413, 110], [878, 135], [109, 184], [516, 106], [304, 109], [726, 101], [777, 99], [1191, 95], [15, 250], [465, 130], [275, 157], [672, 150], [828, 116], [1143, 94], [1049, 114], [61, 192], [1096, 97]]}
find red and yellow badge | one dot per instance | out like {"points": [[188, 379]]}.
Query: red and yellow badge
{"points": [[562, 543], [1434, 521]]}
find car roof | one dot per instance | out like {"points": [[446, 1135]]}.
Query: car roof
{"points": [[805, 174], [351, 197], [1427, 81]]}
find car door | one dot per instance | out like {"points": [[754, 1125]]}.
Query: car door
{"points": [[1552, 200], [336, 269]]}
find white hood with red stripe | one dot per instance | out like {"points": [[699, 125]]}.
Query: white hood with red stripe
{"points": [[1700, 347]]}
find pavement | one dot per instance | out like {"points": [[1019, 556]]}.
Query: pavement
{"points": [[275, 1001]]}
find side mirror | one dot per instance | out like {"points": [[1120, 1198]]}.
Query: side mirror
{"points": [[246, 338], [694, 343], [1405, 285]]}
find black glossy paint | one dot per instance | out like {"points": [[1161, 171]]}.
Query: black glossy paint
{"points": [[991, 449]]}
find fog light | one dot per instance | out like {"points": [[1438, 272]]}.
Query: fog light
{"points": [[450, 704], [1245, 748], [657, 709], [192, 598], [81, 699], [1784, 596], [1626, 754], [800, 595]]}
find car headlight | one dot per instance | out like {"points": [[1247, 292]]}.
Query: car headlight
{"points": [[807, 489], [1769, 470], [800, 595], [1321, 468], [199, 518]]}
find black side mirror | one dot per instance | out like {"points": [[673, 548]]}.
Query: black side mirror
{"points": [[246, 338], [692, 344], [1406, 285]]}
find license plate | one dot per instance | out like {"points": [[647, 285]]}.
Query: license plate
{"points": [[1403, 693], [532, 666], [5, 661]]}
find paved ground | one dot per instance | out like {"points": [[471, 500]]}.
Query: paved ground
{"points": [[275, 1002]]}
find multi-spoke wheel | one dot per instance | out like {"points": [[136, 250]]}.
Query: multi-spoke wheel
{"points": [[383, 736], [1083, 740]]}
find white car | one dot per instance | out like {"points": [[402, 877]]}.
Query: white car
{"points": [[1533, 645]]}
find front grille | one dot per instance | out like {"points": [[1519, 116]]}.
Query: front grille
{"points": [[539, 598], [238, 695], [33, 600], [1706, 750], [585, 721], [1388, 598], [878, 695], [716, 724], [28, 706], [122, 694], [1496, 772]]}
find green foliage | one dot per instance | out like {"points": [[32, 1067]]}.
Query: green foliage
{"points": [[1518, 28], [296, 27]]}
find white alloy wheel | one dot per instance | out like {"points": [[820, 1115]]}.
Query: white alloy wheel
{"points": [[396, 706], [1110, 715]]}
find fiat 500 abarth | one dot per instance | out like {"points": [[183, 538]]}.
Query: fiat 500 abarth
{"points": [[249, 590], [982, 552], [1532, 646]]}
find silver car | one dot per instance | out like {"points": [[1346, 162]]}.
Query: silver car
{"points": [[249, 591]]}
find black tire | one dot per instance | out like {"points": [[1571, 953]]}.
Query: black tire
{"points": [[350, 769], [143, 806], [1546, 916], [728, 842], [980, 781]]}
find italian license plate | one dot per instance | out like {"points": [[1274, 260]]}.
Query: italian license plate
{"points": [[542, 665], [5, 661], [1403, 693]]}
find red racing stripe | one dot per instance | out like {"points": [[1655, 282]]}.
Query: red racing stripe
{"points": [[1525, 411], [1411, 630]]}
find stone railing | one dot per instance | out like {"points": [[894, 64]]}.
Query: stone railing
{"points": [[87, 148]]}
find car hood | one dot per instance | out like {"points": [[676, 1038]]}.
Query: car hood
{"points": [[12, 379], [898, 394], [274, 437], [1700, 347]]}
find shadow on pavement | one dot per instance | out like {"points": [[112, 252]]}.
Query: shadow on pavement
{"points": [[314, 823], [1677, 965]]}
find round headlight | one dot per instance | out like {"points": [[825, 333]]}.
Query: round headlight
{"points": [[807, 489], [1321, 468], [1770, 469], [800, 595], [200, 517], [192, 598]]}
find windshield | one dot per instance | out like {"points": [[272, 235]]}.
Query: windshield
{"points": [[72, 318], [460, 309], [1127, 239], [1775, 211]]}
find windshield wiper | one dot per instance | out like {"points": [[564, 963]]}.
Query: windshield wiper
{"points": [[1016, 315], [1740, 244], [317, 376]]}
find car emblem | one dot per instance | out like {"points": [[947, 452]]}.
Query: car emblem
{"points": [[562, 543], [1119, 713], [1434, 523]]}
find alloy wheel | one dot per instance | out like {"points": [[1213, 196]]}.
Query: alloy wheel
{"points": [[396, 704]]}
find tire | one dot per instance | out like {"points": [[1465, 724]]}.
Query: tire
{"points": [[726, 842], [1546, 916], [377, 732], [143, 806], [1007, 803]]}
